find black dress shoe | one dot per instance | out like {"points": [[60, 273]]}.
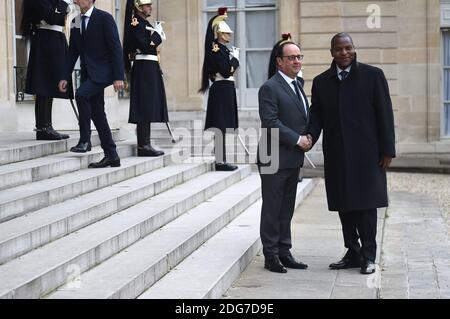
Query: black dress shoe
{"points": [[105, 162], [148, 151], [368, 267], [274, 264], [290, 262], [81, 147], [49, 134], [345, 263], [225, 167]]}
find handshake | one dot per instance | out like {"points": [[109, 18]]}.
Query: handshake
{"points": [[159, 29], [306, 143]]}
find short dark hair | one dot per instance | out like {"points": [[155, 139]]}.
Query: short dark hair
{"points": [[340, 35], [280, 50]]}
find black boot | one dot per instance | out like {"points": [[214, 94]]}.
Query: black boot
{"points": [[44, 129], [221, 162], [145, 148]]}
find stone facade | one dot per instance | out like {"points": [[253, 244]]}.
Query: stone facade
{"points": [[402, 37]]}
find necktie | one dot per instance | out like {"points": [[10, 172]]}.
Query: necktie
{"points": [[343, 75], [297, 92], [83, 25]]}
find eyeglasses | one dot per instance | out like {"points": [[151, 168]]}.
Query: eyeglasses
{"points": [[292, 58]]}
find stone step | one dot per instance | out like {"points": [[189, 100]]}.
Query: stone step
{"points": [[22, 199], [129, 273], [228, 253], [41, 271], [25, 172], [22, 234], [23, 146]]}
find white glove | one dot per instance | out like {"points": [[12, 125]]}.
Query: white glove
{"points": [[69, 2], [159, 29], [235, 52]]}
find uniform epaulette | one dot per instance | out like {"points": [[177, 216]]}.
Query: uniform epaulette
{"points": [[134, 22], [215, 48]]}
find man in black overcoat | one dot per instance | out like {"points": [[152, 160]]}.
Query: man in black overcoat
{"points": [[352, 105], [44, 22], [141, 44]]}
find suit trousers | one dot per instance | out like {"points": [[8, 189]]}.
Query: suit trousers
{"points": [[91, 106], [279, 191], [361, 225]]}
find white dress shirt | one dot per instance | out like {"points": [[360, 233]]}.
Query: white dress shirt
{"points": [[339, 70]]}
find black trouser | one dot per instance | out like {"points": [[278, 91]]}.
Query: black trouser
{"points": [[361, 225], [143, 134], [91, 105], [43, 111], [279, 191]]}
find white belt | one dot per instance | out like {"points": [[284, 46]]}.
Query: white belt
{"points": [[219, 77], [57, 28], [148, 57]]}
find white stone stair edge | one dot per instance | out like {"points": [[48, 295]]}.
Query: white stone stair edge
{"points": [[14, 244], [27, 150], [230, 251], [34, 170], [129, 273], [65, 187], [98, 242]]}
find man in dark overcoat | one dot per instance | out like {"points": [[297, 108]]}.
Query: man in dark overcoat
{"points": [[148, 102], [352, 105], [44, 22]]}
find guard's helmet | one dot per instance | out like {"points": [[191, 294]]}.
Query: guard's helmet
{"points": [[138, 3], [216, 25]]}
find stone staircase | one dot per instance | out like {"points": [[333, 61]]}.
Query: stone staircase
{"points": [[148, 229]]}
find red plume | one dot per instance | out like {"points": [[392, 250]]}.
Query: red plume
{"points": [[286, 36], [222, 11]]}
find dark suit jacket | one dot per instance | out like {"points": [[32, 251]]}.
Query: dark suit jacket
{"points": [[280, 108], [99, 49], [357, 120]]}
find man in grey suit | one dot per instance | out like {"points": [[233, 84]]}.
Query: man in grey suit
{"points": [[283, 109]]}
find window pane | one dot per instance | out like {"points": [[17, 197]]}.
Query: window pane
{"points": [[260, 29], [21, 53], [447, 85], [220, 3], [447, 120], [260, 3], [446, 43], [257, 66], [19, 13], [231, 21]]}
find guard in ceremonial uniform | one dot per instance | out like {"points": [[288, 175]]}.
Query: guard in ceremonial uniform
{"points": [[44, 21], [219, 66], [148, 102]]}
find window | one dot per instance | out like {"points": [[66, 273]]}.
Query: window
{"points": [[21, 51], [255, 25], [446, 81]]}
